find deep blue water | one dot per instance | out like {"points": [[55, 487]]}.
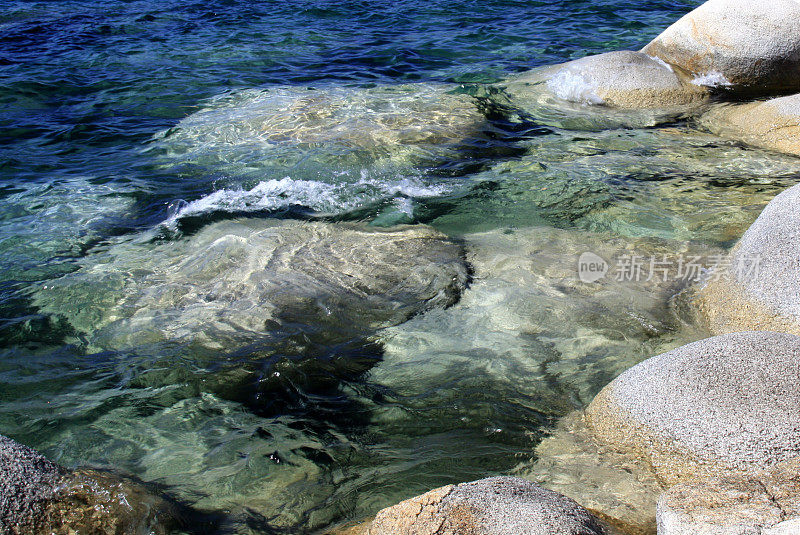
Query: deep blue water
{"points": [[85, 87], [84, 84]]}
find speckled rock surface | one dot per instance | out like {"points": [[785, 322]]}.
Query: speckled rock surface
{"points": [[28, 480], [726, 404], [773, 124], [758, 287], [492, 506], [765, 505], [39, 497], [749, 46], [622, 79]]}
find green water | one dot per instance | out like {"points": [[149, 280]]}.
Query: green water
{"points": [[293, 264]]}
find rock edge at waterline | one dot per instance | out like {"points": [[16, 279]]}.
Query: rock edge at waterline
{"points": [[621, 79], [491, 506], [723, 405], [37, 496], [771, 124], [758, 285], [745, 46]]}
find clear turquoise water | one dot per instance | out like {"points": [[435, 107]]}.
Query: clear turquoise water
{"points": [[130, 126]]}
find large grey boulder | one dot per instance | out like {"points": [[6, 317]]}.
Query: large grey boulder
{"points": [[773, 124], [762, 505], [758, 285], [726, 404], [743, 44], [39, 497], [612, 89], [622, 79], [492, 506]]}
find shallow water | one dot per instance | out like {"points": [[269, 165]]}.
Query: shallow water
{"points": [[145, 148]]}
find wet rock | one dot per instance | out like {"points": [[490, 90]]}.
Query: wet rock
{"points": [[234, 281], [767, 504], [772, 124], [743, 45], [344, 147], [28, 481], [758, 285], [38, 496], [617, 487], [622, 79], [624, 87], [726, 404], [492, 506], [387, 117], [361, 528]]}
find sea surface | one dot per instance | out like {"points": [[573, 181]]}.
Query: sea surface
{"points": [[292, 262]]}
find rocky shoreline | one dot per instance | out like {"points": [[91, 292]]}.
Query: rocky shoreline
{"points": [[712, 427]]}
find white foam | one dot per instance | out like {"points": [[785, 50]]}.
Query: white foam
{"points": [[318, 196], [574, 86], [266, 195], [661, 62], [711, 79], [407, 187]]}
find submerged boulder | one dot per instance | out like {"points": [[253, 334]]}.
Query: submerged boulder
{"points": [[758, 285], [764, 505], [224, 285], [726, 404], [744, 45], [492, 506], [37, 496], [324, 149], [772, 124], [387, 117]]}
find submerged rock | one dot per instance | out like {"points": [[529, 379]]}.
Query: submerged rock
{"points": [[527, 343], [758, 284], [621, 88], [726, 404], [528, 314], [383, 117], [767, 504], [326, 149], [222, 286], [741, 44], [492, 506], [773, 124], [46, 226], [37, 496]]}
